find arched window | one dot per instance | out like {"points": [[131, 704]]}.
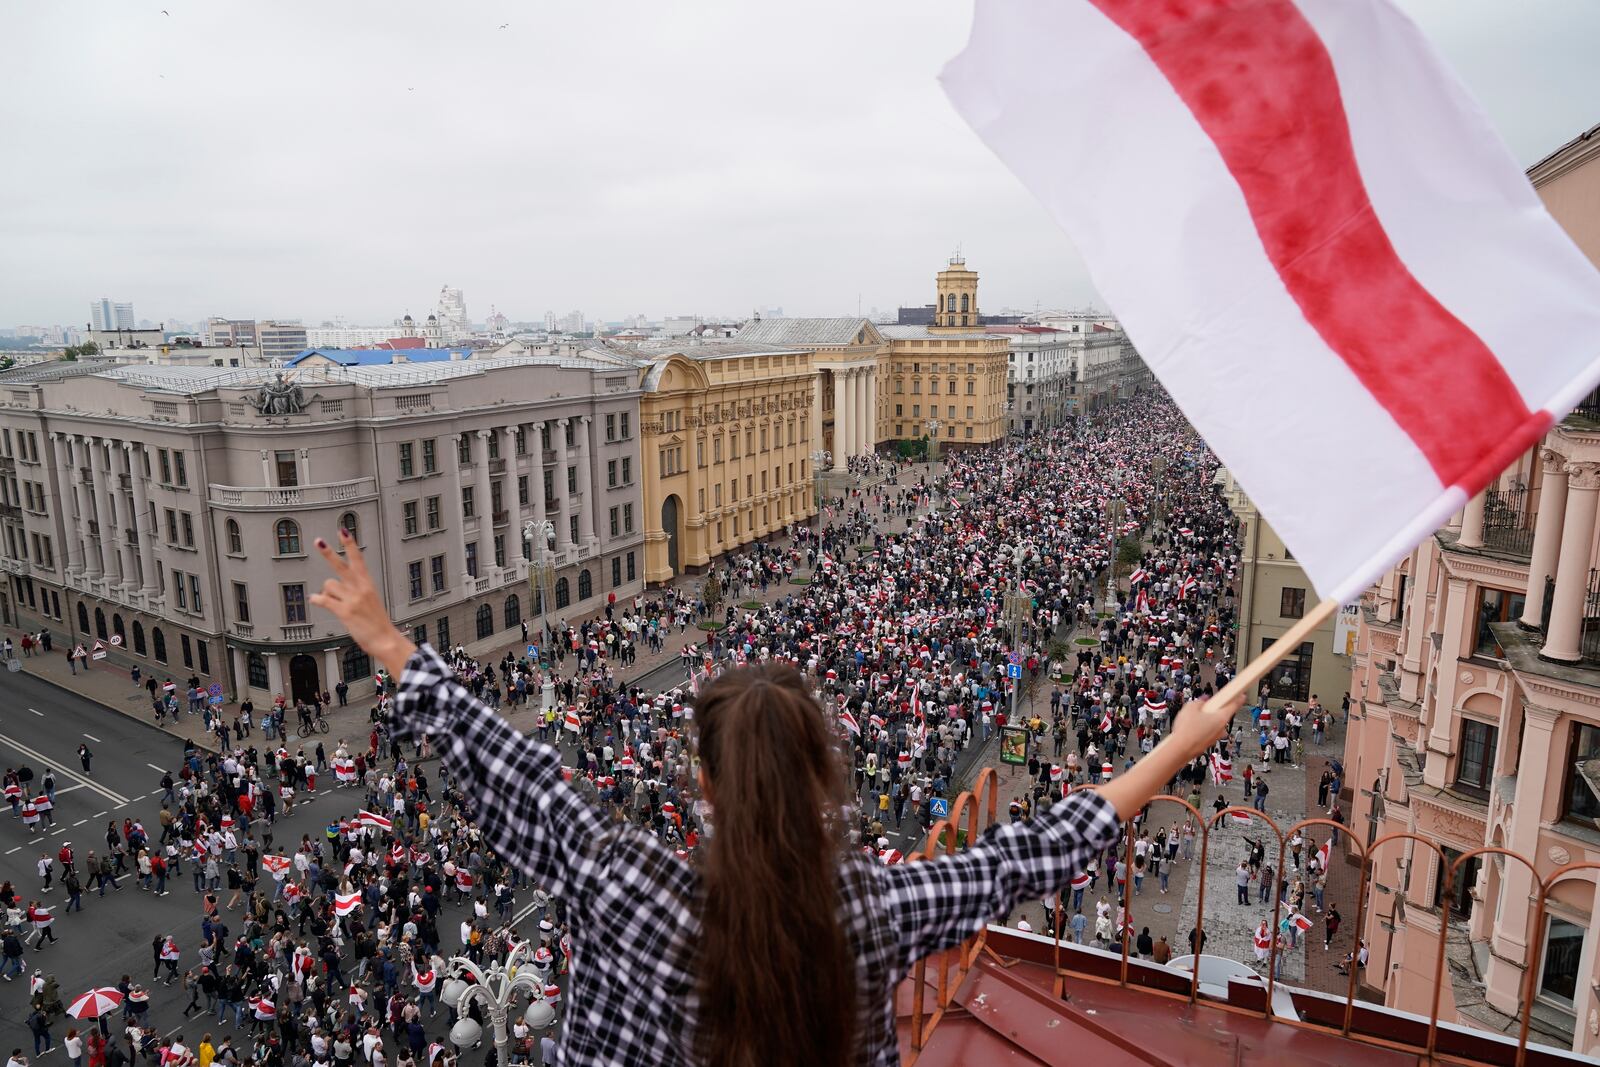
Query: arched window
{"points": [[160, 641], [288, 537], [585, 585], [357, 664], [235, 540], [513, 611], [347, 523], [563, 596], [138, 637], [538, 602], [83, 617], [950, 302], [963, 301], [100, 623], [485, 622], [116, 628]]}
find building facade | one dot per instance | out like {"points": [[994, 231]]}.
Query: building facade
{"points": [[1041, 377], [1274, 594], [106, 314], [175, 508], [1476, 723]]}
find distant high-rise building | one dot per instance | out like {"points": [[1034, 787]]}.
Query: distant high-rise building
{"points": [[453, 315], [105, 315], [232, 333], [281, 340], [549, 322]]}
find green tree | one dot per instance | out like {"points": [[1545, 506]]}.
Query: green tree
{"points": [[711, 591]]}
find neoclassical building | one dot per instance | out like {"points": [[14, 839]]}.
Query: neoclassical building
{"points": [[1476, 723], [175, 509]]}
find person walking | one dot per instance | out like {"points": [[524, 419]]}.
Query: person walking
{"points": [[1331, 923], [39, 1023], [85, 757]]}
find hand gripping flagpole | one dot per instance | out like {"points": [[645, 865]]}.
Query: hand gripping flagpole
{"points": [[1245, 682]]}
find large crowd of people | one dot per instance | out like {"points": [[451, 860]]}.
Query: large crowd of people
{"points": [[906, 607]]}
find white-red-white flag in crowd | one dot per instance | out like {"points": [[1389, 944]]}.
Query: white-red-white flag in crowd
{"points": [[346, 903], [1293, 206]]}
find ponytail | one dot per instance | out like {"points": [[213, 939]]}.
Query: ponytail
{"points": [[777, 975]]}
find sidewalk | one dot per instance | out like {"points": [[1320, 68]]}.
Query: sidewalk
{"points": [[108, 681]]}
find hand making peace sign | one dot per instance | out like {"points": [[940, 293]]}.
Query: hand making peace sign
{"points": [[353, 597]]}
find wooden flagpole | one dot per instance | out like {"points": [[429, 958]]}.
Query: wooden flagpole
{"points": [[1245, 683]]}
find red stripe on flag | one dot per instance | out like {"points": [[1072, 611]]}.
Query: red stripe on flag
{"points": [[1262, 86]]}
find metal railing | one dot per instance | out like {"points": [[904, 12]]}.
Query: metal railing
{"points": [[1380, 1029], [1507, 524]]}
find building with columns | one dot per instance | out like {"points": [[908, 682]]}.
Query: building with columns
{"points": [[176, 508], [1475, 723]]}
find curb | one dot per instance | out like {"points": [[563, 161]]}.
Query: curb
{"points": [[124, 712]]}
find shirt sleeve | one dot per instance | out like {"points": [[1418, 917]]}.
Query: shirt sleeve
{"points": [[520, 800], [942, 902]]}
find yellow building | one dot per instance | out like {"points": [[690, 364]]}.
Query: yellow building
{"points": [[726, 448], [947, 379]]}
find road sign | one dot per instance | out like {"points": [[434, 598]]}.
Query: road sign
{"points": [[940, 807], [214, 699], [215, 689], [1014, 670], [1015, 657]]}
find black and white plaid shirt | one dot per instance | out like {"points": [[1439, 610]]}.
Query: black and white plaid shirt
{"points": [[633, 998]]}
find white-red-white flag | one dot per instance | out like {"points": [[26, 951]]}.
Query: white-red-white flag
{"points": [[374, 820], [1289, 199], [848, 721], [345, 903]]}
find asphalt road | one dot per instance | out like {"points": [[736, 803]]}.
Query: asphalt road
{"points": [[42, 726]]}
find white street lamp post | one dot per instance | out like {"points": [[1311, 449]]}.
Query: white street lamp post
{"points": [[821, 459], [541, 576], [933, 426], [495, 988]]}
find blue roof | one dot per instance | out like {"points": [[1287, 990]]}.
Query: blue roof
{"points": [[377, 357]]}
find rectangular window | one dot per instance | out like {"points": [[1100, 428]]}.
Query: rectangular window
{"points": [[430, 456], [414, 577], [188, 529], [408, 514], [464, 449], [572, 529], [1475, 765], [572, 428], [701, 501], [433, 513], [436, 568], [183, 591], [419, 633], [194, 593], [899, 411], [467, 510], [1563, 951], [627, 518], [611, 427], [494, 445], [188, 650], [406, 470], [969, 411], [572, 480], [611, 473], [716, 449], [1292, 603], [630, 557], [522, 490], [472, 558], [616, 521], [294, 603], [626, 421], [166, 466], [499, 550], [616, 571], [521, 438], [241, 601], [172, 527], [179, 469], [441, 626], [1291, 679], [1578, 800], [1494, 605], [549, 487], [627, 470], [496, 504], [699, 453]]}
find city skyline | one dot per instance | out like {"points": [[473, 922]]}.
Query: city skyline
{"points": [[662, 191]]}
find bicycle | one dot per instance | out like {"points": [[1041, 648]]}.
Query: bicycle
{"points": [[314, 725]]}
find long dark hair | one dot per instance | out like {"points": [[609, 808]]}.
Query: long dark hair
{"points": [[777, 975]]}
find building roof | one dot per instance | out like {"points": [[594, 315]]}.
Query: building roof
{"points": [[370, 357], [1587, 139], [807, 332], [695, 348]]}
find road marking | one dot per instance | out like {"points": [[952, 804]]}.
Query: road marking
{"points": [[80, 822], [93, 738], [70, 788], [62, 769], [9, 851], [37, 712], [153, 767], [99, 815], [58, 830]]}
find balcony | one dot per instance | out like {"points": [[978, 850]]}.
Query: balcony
{"points": [[497, 466], [297, 632], [242, 629], [10, 511], [8, 463], [275, 498], [502, 517]]}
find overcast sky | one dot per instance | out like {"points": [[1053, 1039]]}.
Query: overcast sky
{"points": [[309, 159]]}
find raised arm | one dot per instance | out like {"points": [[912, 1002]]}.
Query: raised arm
{"points": [[520, 800], [939, 903]]}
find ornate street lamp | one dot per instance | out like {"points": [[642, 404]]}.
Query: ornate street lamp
{"points": [[542, 583], [933, 426], [821, 460], [495, 988]]}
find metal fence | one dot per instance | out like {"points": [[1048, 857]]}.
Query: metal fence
{"points": [[971, 812], [1507, 524]]}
